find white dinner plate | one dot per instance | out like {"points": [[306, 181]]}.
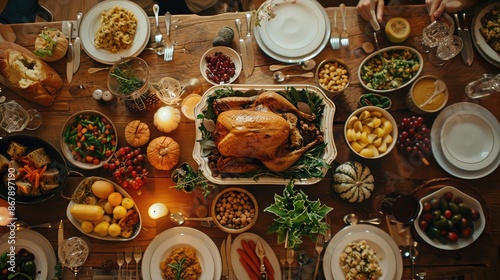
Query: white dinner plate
{"points": [[182, 240], [238, 268], [469, 141], [296, 29], [376, 238], [91, 22], [482, 47], [40, 260], [437, 126], [279, 48], [167, 234], [45, 256]]}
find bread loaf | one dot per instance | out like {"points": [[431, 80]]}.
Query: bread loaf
{"points": [[27, 75], [39, 158]]}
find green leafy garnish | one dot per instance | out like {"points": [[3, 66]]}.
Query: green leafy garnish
{"points": [[185, 178], [297, 215], [127, 80], [177, 268]]}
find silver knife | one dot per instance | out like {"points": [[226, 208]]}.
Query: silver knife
{"points": [[243, 48], [77, 45], [250, 62], [228, 256], [70, 55], [225, 272], [60, 239], [468, 43], [464, 38]]}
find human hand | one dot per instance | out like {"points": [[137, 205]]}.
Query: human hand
{"points": [[437, 7], [363, 9]]}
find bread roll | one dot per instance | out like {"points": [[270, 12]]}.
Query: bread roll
{"points": [[27, 75]]}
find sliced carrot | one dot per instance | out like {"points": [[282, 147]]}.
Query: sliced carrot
{"points": [[37, 180], [251, 253], [42, 171], [247, 259], [249, 270]]}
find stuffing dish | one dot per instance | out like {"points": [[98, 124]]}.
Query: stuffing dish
{"points": [[182, 263], [490, 29]]}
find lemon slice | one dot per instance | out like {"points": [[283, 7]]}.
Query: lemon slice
{"points": [[397, 29]]}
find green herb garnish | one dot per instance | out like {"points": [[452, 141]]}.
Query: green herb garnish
{"points": [[177, 268], [297, 215], [127, 80]]}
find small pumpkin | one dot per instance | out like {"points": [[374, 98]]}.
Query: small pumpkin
{"points": [[51, 44], [163, 153], [137, 133], [353, 181], [167, 119]]}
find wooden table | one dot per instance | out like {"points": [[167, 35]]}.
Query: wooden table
{"points": [[193, 35]]}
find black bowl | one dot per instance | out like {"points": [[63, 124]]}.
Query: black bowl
{"points": [[33, 143]]}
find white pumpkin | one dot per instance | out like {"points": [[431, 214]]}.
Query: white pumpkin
{"points": [[353, 181]]}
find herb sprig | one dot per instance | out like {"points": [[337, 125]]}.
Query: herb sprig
{"points": [[127, 79], [178, 268]]}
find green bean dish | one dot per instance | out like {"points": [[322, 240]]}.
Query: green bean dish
{"points": [[399, 66]]}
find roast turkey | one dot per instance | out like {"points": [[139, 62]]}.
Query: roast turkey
{"points": [[269, 132]]}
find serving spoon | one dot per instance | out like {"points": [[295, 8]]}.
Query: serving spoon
{"points": [[280, 76], [352, 219], [178, 219], [439, 86], [306, 65], [25, 225]]}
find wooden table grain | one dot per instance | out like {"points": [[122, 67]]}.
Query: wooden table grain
{"points": [[193, 35]]}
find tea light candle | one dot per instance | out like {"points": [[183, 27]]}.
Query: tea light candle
{"points": [[167, 118], [4, 216], [157, 210]]}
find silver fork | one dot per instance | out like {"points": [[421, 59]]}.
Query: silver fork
{"points": [[289, 260], [169, 46], [137, 258], [344, 37], [120, 261], [320, 244], [335, 38]]}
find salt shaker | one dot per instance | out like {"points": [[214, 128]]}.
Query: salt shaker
{"points": [[487, 85]]}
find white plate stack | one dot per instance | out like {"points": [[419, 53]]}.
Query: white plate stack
{"points": [[292, 31], [465, 139]]}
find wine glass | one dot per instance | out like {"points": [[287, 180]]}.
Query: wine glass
{"points": [[14, 118], [447, 49], [73, 253]]}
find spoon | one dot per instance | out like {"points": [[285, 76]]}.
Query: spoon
{"points": [[439, 86], [178, 219], [352, 219], [414, 250], [92, 70], [280, 76], [302, 259], [306, 65], [25, 225]]}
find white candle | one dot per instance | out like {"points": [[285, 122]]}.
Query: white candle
{"points": [[167, 118], [157, 210], [4, 216]]}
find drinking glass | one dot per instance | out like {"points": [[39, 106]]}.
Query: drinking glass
{"points": [[14, 118], [73, 253], [447, 49], [399, 207]]}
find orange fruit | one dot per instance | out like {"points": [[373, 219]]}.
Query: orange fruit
{"points": [[397, 29], [115, 198]]}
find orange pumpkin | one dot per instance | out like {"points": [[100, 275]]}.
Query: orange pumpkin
{"points": [[163, 153], [137, 133], [51, 44]]}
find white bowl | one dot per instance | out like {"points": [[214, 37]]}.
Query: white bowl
{"points": [[232, 54], [413, 102], [462, 242], [67, 151], [389, 145], [389, 50]]}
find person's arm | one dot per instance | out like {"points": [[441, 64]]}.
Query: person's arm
{"points": [[437, 7], [363, 9]]}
